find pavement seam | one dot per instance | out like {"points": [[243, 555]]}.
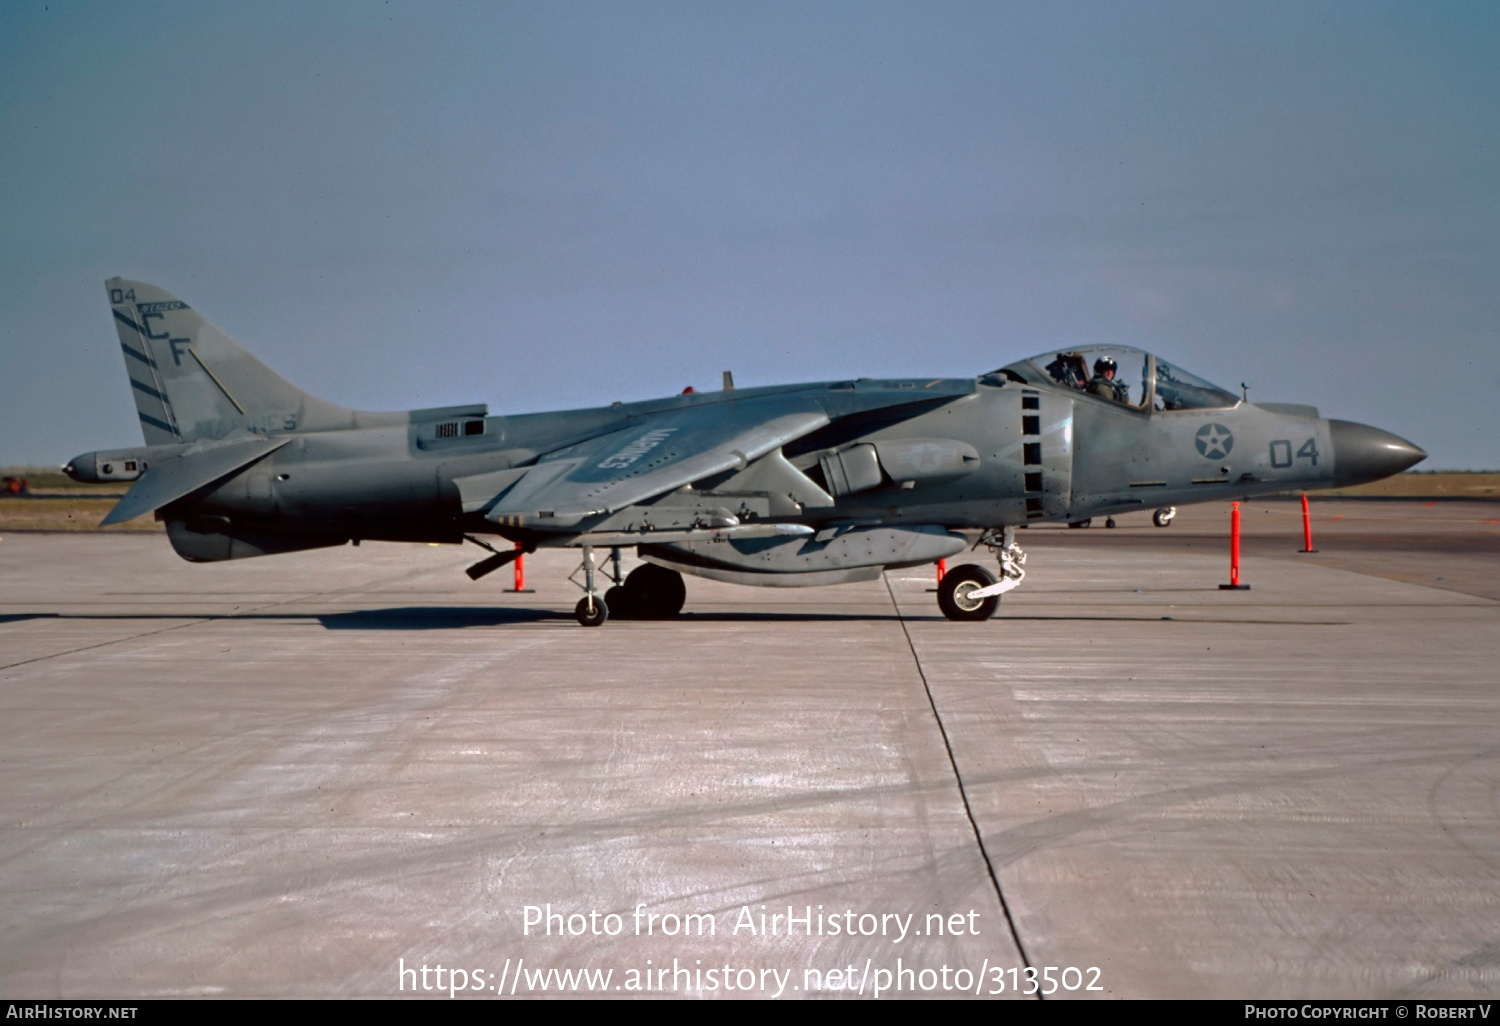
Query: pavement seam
{"points": [[963, 794], [103, 644]]}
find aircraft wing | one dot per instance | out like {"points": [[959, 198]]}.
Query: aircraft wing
{"points": [[197, 466], [656, 454]]}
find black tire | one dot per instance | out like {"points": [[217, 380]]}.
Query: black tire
{"points": [[1163, 517], [1086, 521], [656, 593], [1110, 522], [591, 617], [618, 601], [952, 593]]}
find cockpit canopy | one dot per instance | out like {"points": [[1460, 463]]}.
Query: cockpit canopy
{"points": [[1122, 375]]}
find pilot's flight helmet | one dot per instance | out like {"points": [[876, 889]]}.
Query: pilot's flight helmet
{"points": [[1104, 363]]}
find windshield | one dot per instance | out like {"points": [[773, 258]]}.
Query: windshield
{"points": [[1120, 374], [1176, 389]]}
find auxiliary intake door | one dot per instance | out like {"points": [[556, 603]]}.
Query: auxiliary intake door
{"points": [[1046, 453]]}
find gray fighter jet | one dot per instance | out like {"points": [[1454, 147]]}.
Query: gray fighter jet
{"points": [[786, 486]]}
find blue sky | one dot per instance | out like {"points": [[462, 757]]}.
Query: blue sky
{"points": [[552, 205]]}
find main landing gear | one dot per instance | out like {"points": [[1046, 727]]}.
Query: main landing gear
{"points": [[650, 592], [971, 592]]}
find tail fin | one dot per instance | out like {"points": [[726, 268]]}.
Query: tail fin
{"points": [[191, 381]]}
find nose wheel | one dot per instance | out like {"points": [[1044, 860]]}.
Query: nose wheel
{"points": [[970, 592], [958, 594]]}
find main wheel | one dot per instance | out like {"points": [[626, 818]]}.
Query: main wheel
{"points": [[1163, 517], [958, 584], [618, 601], [1086, 521], [656, 593], [1110, 522], [591, 615]]}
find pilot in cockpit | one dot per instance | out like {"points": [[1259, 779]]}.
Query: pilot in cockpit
{"points": [[1104, 385]]}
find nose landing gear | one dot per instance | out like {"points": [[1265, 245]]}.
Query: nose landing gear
{"points": [[970, 592]]}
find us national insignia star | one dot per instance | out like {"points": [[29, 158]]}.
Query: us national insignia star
{"points": [[1214, 441]]}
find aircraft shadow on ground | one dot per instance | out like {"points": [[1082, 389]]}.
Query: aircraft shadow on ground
{"points": [[416, 618], [449, 618], [440, 618], [437, 618], [434, 618]]}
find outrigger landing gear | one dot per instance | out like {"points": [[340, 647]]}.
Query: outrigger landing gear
{"points": [[971, 592], [591, 610], [650, 592]]}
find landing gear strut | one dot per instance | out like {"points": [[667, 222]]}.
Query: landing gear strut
{"points": [[971, 592], [650, 592], [591, 610]]}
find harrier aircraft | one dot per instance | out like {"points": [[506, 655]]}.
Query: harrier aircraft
{"points": [[785, 486]]}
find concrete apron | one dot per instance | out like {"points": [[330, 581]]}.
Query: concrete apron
{"points": [[292, 776]]}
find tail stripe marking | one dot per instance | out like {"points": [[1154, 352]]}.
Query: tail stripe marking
{"points": [[128, 322], [138, 355], [141, 334], [153, 393]]}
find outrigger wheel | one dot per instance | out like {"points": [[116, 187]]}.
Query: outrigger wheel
{"points": [[956, 587], [654, 592], [591, 611]]}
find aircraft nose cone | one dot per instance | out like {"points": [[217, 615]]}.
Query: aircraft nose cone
{"points": [[1362, 453]]}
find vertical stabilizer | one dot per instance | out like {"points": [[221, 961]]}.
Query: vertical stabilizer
{"points": [[191, 381]]}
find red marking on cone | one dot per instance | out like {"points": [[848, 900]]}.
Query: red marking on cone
{"points": [[942, 569]]}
